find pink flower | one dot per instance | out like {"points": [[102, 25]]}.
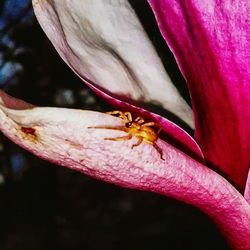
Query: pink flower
{"points": [[106, 46]]}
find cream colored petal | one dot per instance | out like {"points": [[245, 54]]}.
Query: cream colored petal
{"points": [[104, 42]]}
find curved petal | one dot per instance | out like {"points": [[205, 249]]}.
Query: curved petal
{"points": [[13, 103], [104, 42], [210, 40], [63, 136], [172, 133]]}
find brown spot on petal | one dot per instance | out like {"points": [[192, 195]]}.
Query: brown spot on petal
{"points": [[29, 133], [73, 144]]}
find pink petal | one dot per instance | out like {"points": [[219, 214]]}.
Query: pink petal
{"points": [[210, 40], [247, 189], [104, 42], [12, 102], [63, 137]]}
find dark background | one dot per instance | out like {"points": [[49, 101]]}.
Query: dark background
{"points": [[43, 206]]}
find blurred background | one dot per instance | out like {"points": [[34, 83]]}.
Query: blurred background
{"points": [[43, 206]]}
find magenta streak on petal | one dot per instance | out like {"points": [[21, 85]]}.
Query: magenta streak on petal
{"points": [[210, 40], [62, 136], [247, 189], [175, 134]]}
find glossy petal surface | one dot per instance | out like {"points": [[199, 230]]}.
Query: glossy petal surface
{"points": [[211, 42], [104, 42], [63, 136]]}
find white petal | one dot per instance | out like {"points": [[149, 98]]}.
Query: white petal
{"points": [[104, 42]]}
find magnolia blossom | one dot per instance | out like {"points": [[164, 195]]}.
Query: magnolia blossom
{"points": [[105, 45]]}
